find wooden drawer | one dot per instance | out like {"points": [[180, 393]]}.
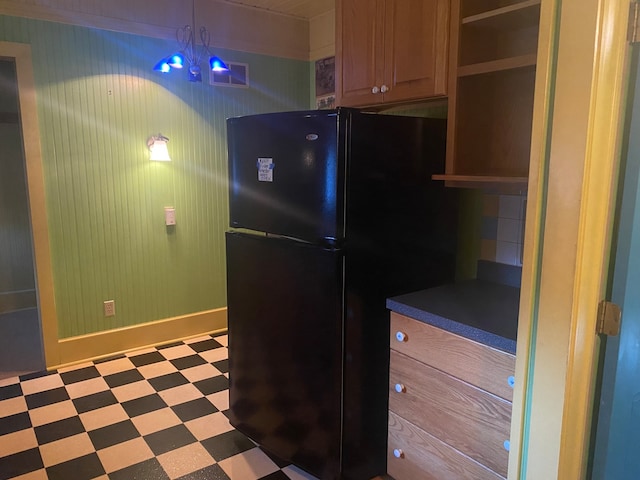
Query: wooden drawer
{"points": [[469, 419], [473, 362], [425, 457]]}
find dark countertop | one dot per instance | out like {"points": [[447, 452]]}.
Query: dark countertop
{"points": [[480, 310]]}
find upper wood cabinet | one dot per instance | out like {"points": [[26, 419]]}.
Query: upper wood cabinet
{"points": [[491, 87], [390, 51]]}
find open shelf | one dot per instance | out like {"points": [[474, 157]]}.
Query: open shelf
{"points": [[497, 65], [498, 38], [518, 15], [491, 89], [504, 185], [492, 125]]}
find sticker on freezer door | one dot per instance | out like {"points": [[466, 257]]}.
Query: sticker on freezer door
{"points": [[265, 169]]}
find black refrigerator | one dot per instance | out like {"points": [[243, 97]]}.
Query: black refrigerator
{"points": [[332, 211]]}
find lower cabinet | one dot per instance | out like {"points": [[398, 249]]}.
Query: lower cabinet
{"points": [[449, 405], [416, 454]]}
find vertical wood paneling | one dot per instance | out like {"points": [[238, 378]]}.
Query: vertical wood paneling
{"points": [[98, 102]]}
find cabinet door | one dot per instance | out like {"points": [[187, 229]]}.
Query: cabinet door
{"points": [[461, 415], [415, 454], [470, 361], [416, 49], [359, 51]]}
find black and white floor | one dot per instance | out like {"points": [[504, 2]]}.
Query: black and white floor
{"points": [[157, 413]]}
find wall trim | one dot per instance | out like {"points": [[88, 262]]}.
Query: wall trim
{"points": [[107, 343], [534, 235]]}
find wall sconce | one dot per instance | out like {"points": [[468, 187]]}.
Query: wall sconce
{"points": [[158, 147]]}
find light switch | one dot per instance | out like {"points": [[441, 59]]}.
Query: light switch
{"points": [[169, 216]]}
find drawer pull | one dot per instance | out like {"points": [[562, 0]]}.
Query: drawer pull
{"points": [[401, 336], [507, 445], [398, 453], [511, 381], [400, 388]]}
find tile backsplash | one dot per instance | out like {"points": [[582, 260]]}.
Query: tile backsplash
{"points": [[502, 234]]}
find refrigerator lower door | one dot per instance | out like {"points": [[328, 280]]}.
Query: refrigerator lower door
{"points": [[285, 304]]}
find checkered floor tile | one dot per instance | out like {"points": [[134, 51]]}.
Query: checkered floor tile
{"points": [[157, 413]]}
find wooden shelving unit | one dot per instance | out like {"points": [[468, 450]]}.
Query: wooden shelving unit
{"points": [[491, 84]]}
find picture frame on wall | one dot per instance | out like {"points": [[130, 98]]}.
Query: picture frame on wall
{"points": [[325, 83]]}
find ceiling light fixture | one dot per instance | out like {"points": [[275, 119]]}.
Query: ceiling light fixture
{"points": [[190, 55]]}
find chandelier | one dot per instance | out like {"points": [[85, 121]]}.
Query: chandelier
{"points": [[191, 55]]}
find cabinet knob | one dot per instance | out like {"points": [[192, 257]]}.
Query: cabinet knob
{"points": [[401, 336], [398, 453], [384, 88], [400, 388], [375, 90], [507, 445], [511, 381]]}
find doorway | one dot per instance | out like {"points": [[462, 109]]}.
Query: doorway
{"points": [[21, 349]]}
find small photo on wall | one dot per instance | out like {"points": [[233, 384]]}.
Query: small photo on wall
{"points": [[325, 83], [326, 102]]}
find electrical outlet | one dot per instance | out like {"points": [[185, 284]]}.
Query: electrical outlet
{"points": [[109, 308]]}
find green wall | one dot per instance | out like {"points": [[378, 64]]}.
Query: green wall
{"points": [[98, 102]]}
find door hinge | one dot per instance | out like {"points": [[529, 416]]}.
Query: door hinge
{"points": [[634, 22], [608, 322]]}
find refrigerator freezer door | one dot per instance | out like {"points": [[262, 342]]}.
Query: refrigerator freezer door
{"points": [[285, 348], [285, 174]]}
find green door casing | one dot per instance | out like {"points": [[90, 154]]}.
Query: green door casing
{"points": [[617, 442]]}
